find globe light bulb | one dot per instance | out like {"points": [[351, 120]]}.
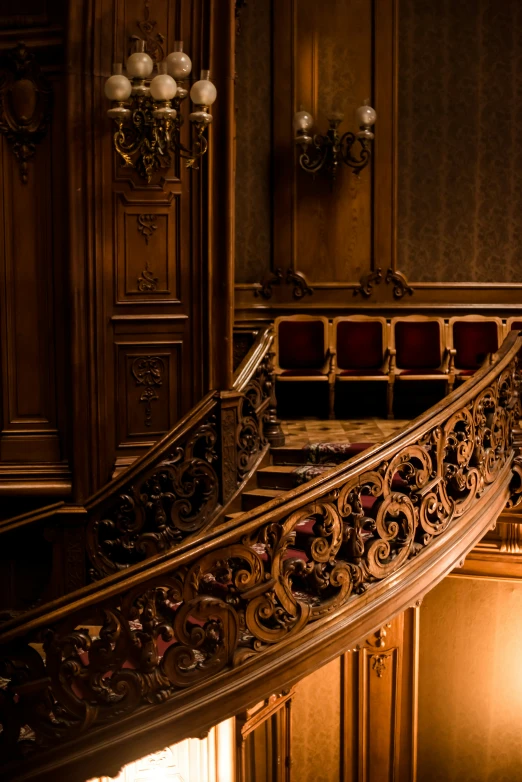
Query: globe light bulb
{"points": [[303, 120], [163, 87], [203, 92], [118, 87], [139, 65], [365, 116], [179, 65]]}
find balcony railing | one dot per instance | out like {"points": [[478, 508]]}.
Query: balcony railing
{"points": [[167, 647]]}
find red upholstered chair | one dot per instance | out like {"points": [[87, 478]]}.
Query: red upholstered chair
{"points": [[302, 350], [473, 337], [421, 350], [362, 352]]}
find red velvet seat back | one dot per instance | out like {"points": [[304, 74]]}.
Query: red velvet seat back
{"points": [[473, 340], [418, 344], [359, 344], [301, 344], [516, 325]]}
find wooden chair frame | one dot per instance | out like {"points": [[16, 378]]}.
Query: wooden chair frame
{"points": [[388, 354], [509, 321], [446, 351], [470, 318], [326, 370]]}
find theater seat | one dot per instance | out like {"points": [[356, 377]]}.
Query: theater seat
{"points": [[473, 337], [302, 350], [421, 350], [362, 352]]}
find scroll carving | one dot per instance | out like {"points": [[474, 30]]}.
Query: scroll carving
{"points": [[296, 279], [367, 283], [401, 286], [146, 226], [148, 371], [153, 40], [25, 105], [252, 588], [175, 498], [147, 282]]}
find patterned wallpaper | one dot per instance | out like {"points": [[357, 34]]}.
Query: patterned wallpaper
{"points": [[254, 142], [460, 151]]}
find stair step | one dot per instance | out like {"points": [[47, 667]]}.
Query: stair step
{"points": [[252, 499], [288, 455], [318, 453], [277, 476]]}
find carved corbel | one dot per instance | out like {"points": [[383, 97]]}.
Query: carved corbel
{"points": [[25, 105], [400, 284], [367, 283], [292, 277]]}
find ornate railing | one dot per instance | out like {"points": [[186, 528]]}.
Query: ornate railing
{"points": [[169, 647], [184, 485]]}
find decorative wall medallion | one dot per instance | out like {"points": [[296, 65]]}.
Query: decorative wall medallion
{"points": [[400, 284], [367, 283], [379, 663], [147, 283], [146, 226], [25, 105], [292, 277], [148, 371], [153, 40]]}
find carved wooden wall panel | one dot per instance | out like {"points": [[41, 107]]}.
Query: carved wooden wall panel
{"points": [[148, 254], [148, 268], [32, 259], [149, 390]]}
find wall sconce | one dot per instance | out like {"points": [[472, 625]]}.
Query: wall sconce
{"points": [[148, 125], [332, 148]]}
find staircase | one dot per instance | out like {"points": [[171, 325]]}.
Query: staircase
{"points": [[291, 466]]}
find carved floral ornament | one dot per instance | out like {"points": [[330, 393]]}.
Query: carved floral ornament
{"points": [[262, 582], [25, 105]]}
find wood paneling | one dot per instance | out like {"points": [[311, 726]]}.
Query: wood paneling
{"points": [[33, 436], [353, 720], [328, 60], [470, 688]]}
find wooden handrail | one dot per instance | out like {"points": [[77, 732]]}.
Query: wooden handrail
{"points": [[168, 649]]}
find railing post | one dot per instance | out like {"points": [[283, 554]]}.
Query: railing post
{"points": [[272, 425]]}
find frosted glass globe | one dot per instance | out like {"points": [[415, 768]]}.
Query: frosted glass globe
{"points": [[139, 65], [303, 120], [163, 87], [118, 87], [179, 65], [203, 93], [365, 115]]}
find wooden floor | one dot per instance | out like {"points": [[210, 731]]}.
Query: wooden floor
{"points": [[372, 430]]}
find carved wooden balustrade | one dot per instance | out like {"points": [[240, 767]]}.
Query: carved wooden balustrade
{"points": [[166, 648], [181, 487]]}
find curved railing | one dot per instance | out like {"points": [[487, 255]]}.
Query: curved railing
{"points": [[169, 647]]}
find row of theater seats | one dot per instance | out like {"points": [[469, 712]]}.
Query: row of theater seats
{"points": [[371, 348]]}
